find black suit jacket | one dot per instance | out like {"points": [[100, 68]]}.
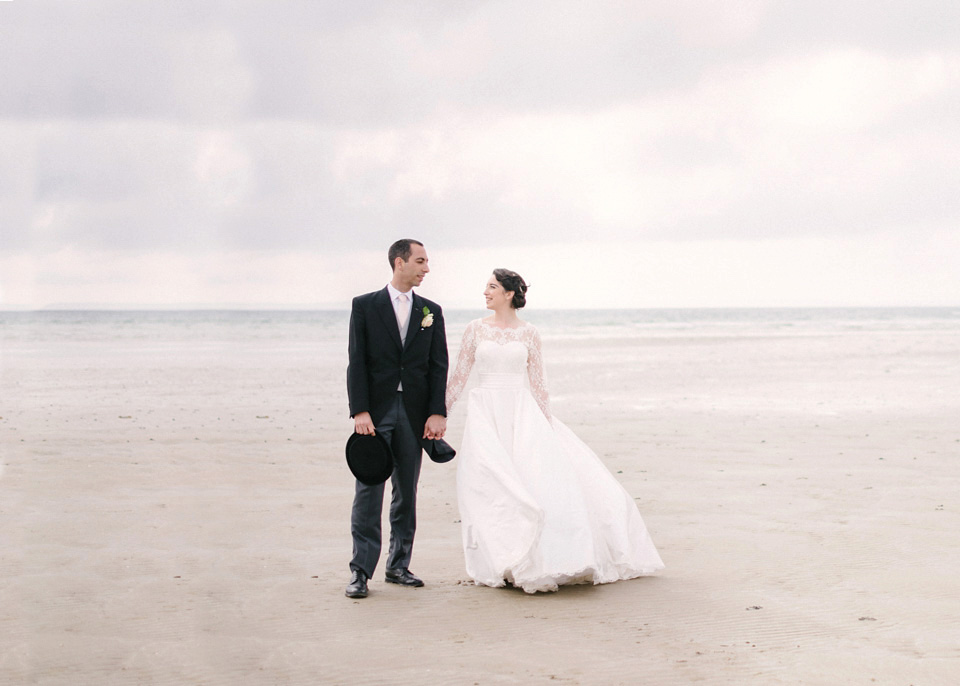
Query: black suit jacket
{"points": [[379, 362]]}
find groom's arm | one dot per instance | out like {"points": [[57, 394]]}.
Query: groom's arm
{"points": [[436, 403], [358, 388]]}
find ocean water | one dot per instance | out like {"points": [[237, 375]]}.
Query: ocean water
{"points": [[295, 328]]}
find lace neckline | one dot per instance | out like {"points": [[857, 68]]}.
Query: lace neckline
{"points": [[523, 325]]}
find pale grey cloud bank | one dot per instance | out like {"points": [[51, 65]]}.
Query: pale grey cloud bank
{"points": [[160, 138]]}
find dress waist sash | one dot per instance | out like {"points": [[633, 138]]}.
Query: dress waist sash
{"points": [[501, 380]]}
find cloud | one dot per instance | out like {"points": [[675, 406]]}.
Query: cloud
{"points": [[189, 130], [379, 63], [750, 151]]}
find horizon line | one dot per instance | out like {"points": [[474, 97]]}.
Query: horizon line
{"points": [[100, 307]]}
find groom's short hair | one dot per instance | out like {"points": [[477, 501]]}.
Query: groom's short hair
{"points": [[401, 249]]}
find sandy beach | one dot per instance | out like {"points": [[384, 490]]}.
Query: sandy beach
{"points": [[176, 512]]}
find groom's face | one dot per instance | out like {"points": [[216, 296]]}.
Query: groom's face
{"points": [[411, 272]]}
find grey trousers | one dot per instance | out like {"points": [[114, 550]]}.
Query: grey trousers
{"points": [[368, 500]]}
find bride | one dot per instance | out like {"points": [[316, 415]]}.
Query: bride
{"points": [[538, 507]]}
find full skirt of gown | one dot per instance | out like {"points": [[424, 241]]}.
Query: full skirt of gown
{"points": [[538, 508]]}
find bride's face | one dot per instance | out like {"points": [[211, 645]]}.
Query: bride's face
{"points": [[496, 297]]}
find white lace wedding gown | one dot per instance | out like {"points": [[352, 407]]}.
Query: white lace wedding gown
{"points": [[538, 508]]}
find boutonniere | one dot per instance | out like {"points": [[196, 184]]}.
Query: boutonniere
{"points": [[427, 320]]}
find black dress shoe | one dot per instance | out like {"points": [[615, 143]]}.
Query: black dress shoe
{"points": [[357, 588], [402, 577]]}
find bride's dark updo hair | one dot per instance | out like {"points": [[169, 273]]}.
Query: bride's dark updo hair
{"points": [[511, 281]]}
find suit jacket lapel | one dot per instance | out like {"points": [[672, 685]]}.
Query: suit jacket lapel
{"points": [[389, 317], [416, 316]]}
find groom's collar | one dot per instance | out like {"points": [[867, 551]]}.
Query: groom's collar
{"points": [[394, 292]]}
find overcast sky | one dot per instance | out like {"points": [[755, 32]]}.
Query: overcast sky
{"points": [[618, 154]]}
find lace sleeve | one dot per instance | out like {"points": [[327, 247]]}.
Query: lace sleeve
{"points": [[536, 374], [468, 350]]}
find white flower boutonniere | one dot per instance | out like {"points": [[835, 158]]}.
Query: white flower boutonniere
{"points": [[427, 320]]}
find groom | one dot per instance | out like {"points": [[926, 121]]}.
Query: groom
{"points": [[396, 382]]}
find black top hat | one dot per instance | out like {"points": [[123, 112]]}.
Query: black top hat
{"points": [[369, 458], [438, 450]]}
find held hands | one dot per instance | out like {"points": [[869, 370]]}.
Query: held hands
{"points": [[436, 427], [363, 424]]}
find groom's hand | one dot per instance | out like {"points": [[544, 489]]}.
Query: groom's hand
{"points": [[436, 427], [363, 424]]}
